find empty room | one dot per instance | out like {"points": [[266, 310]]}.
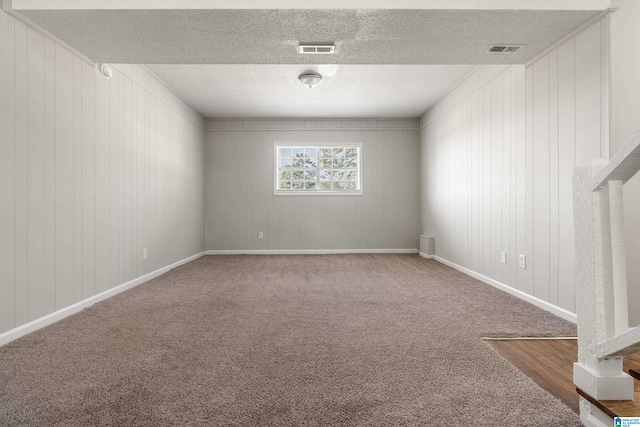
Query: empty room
{"points": [[338, 213]]}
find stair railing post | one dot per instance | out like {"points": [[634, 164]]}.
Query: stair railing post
{"points": [[603, 378], [618, 257]]}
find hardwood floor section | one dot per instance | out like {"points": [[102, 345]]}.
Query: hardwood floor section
{"points": [[616, 408], [550, 364]]}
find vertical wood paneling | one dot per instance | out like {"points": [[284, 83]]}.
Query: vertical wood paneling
{"points": [[122, 149], [102, 200], [529, 184], [496, 184], [474, 155], [77, 180], [172, 182], [21, 189], [512, 265], [163, 252], [68, 199], [153, 179], [49, 177], [88, 183], [488, 189], [566, 160], [624, 123], [183, 155], [554, 219], [443, 165], [145, 177], [587, 93], [468, 182], [541, 175], [35, 177], [521, 176], [135, 201], [464, 184], [115, 225], [139, 146], [7, 173], [64, 179], [449, 194], [507, 143], [127, 181], [532, 126]]}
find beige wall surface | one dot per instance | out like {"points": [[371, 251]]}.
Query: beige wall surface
{"points": [[240, 188]]}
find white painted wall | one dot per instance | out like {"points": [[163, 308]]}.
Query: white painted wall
{"points": [[496, 162], [625, 90], [91, 171], [240, 180]]}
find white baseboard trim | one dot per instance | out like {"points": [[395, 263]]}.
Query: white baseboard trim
{"points": [[554, 309], [47, 320], [311, 251], [427, 256]]}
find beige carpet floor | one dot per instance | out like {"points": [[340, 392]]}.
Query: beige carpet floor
{"points": [[316, 340]]}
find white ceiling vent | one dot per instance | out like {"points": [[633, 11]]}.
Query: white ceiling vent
{"points": [[317, 48], [503, 48]]}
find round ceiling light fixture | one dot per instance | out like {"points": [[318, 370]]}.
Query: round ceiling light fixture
{"points": [[310, 79]]}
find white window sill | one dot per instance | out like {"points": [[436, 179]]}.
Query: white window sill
{"points": [[316, 193]]}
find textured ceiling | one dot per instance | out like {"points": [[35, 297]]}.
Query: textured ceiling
{"points": [[244, 62], [345, 91], [271, 36]]}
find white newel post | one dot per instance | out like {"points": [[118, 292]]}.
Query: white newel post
{"points": [[600, 287], [604, 336]]}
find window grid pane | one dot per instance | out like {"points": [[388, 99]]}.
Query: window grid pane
{"points": [[311, 168]]}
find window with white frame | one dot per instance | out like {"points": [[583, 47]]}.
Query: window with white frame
{"points": [[318, 169]]}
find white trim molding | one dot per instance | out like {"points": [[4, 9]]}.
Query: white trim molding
{"points": [[49, 319], [311, 251], [310, 124], [311, 4], [553, 309]]}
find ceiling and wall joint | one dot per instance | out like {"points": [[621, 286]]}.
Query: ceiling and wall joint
{"points": [[569, 36]]}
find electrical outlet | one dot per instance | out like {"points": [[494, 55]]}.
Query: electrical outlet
{"points": [[260, 235], [144, 253], [503, 257], [522, 261]]}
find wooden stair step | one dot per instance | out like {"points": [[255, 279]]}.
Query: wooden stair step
{"points": [[616, 408], [634, 374]]}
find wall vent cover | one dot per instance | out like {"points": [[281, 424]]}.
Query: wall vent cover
{"points": [[503, 48], [317, 48]]}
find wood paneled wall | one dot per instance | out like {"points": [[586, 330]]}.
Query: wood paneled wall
{"points": [[496, 162], [625, 122], [91, 172], [240, 181]]}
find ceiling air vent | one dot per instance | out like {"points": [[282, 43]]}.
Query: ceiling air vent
{"points": [[317, 48], [503, 48]]}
